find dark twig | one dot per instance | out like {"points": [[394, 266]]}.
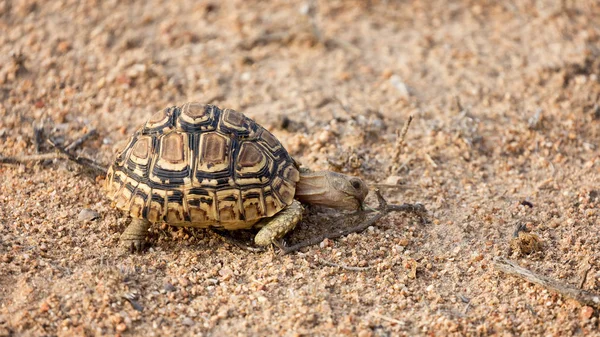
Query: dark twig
{"points": [[265, 38], [383, 210], [92, 166], [75, 144], [60, 153], [581, 296], [384, 185], [38, 134], [132, 299]]}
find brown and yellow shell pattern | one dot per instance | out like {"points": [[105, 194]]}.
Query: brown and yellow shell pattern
{"points": [[198, 165]]}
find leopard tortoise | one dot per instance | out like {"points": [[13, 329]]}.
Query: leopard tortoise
{"points": [[201, 166]]}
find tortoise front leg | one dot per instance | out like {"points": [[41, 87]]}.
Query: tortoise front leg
{"points": [[134, 235], [280, 224]]}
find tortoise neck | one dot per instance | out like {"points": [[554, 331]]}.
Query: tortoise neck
{"points": [[313, 187]]}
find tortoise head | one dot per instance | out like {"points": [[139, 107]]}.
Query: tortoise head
{"points": [[330, 189]]}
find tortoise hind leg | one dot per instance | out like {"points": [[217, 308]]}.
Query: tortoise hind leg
{"points": [[280, 224], [134, 236]]}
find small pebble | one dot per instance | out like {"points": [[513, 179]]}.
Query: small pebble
{"points": [[44, 307], [121, 327], [88, 214], [245, 77], [262, 299], [63, 46], [223, 313], [188, 321], [184, 282], [397, 82], [365, 333], [393, 180], [324, 137], [326, 243], [387, 73], [226, 273], [586, 312]]}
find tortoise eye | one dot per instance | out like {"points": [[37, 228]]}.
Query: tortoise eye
{"points": [[356, 184]]}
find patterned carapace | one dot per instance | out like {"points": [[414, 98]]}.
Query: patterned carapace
{"points": [[197, 165]]}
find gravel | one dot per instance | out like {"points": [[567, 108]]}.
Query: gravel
{"points": [[504, 99]]}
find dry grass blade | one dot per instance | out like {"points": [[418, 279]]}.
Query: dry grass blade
{"points": [[581, 296], [399, 146], [585, 275], [343, 266], [389, 319], [30, 158]]}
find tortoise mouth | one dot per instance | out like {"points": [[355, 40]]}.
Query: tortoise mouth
{"points": [[351, 203], [345, 203]]}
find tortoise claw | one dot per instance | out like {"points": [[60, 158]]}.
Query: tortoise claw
{"points": [[138, 246], [134, 246], [133, 237], [281, 244]]}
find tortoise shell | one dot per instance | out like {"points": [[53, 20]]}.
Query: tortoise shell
{"points": [[198, 165]]}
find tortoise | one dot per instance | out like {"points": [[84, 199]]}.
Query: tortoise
{"points": [[202, 166]]}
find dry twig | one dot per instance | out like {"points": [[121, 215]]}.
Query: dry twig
{"points": [[60, 153], [132, 299], [581, 296], [92, 166], [382, 210], [389, 319], [430, 160], [32, 157], [75, 144], [38, 134]]}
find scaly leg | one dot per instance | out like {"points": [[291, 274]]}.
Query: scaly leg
{"points": [[281, 223], [134, 235]]}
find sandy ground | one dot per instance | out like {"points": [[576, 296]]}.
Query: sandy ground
{"points": [[505, 98]]}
